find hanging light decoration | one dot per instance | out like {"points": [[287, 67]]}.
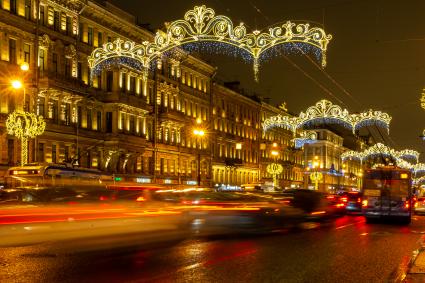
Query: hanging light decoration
{"points": [[202, 25], [380, 149], [325, 111]]}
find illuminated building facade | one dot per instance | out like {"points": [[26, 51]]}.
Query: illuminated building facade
{"points": [[277, 146], [122, 121], [324, 156]]}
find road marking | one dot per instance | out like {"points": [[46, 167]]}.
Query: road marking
{"points": [[348, 225]]}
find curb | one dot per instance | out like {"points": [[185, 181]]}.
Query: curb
{"points": [[414, 269]]}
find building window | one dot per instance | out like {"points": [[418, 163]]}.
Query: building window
{"points": [[90, 36], [42, 15], [63, 22], [132, 124], [12, 51], [40, 154], [109, 39], [41, 61], [56, 21], [54, 115], [68, 67], [132, 84], [80, 71], [40, 106], [53, 153], [13, 6], [99, 120], [67, 113], [81, 32], [99, 39], [10, 151], [109, 80], [66, 154], [27, 53], [27, 9], [55, 62], [69, 29], [79, 115], [109, 122], [89, 120]]}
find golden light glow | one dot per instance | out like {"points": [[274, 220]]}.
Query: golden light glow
{"points": [[325, 110], [24, 125], [239, 146], [201, 24], [275, 153], [274, 169], [17, 84], [275, 144], [198, 132], [198, 121], [25, 66]]}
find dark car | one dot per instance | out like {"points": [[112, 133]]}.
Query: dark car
{"points": [[353, 202]]}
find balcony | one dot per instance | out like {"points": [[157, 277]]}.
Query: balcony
{"points": [[233, 162], [168, 114], [53, 79]]}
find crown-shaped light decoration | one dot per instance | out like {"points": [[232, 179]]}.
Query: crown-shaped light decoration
{"points": [[325, 111], [383, 150], [202, 25]]}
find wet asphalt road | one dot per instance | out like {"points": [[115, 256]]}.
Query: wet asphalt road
{"points": [[344, 250]]}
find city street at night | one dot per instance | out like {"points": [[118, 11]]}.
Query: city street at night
{"points": [[342, 250], [214, 141]]}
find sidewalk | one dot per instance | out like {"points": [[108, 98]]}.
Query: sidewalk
{"points": [[415, 271]]}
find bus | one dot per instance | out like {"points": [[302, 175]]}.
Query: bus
{"points": [[35, 182], [387, 193]]}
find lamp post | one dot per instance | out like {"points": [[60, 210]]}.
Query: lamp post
{"points": [[316, 176], [199, 133], [360, 180], [22, 124]]}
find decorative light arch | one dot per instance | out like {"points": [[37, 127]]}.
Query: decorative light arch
{"points": [[324, 110], [383, 150], [202, 25]]}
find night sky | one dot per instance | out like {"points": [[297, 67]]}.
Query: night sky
{"points": [[376, 58]]}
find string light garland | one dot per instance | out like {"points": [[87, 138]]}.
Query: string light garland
{"points": [[306, 137], [24, 125], [202, 25], [325, 111]]}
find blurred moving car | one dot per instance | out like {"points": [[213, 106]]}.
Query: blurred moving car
{"points": [[354, 202], [316, 205], [213, 212], [419, 206]]}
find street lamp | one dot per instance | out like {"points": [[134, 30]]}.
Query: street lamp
{"points": [[22, 124], [316, 176], [199, 133]]}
